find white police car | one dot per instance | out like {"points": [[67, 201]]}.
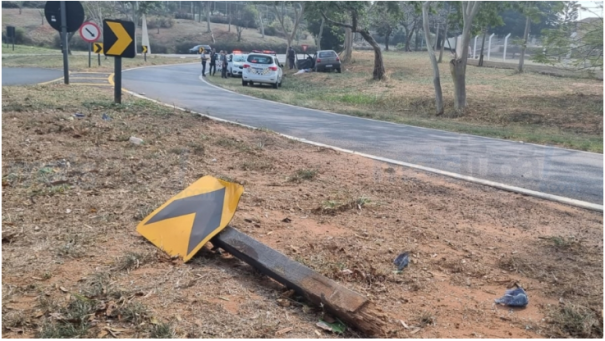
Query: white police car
{"points": [[262, 68], [235, 64]]}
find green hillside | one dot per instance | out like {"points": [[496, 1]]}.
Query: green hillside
{"points": [[32, 29]]}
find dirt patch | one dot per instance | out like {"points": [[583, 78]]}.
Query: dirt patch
{"points": [[74, 190]]}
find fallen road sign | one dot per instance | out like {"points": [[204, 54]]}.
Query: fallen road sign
{"points": [[186, 222]]}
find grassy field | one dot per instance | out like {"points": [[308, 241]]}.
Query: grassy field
{"points": [[73, 265], [26, 49], [79, 62], [528, 107]]}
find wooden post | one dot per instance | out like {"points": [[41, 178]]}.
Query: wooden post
{"points": [[352, 308]]}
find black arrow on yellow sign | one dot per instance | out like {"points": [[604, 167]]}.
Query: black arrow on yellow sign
{"points": [[145, 49], [186, 222], [118, 37], [97, 48]]}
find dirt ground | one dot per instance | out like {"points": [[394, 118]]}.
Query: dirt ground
{"points": [[74, 190]]}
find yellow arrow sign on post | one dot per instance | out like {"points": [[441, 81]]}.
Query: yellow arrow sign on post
{"points": [[118, 37], [144, 49], [186, 222], [97, 47]]}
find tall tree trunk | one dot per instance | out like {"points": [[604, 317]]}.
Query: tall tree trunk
{"points": [[458, 64], [436, 37], [262, 26], [321, 32], [416, 40], [436, 78], [386, 39], [447, 26], [229, 13], [482, 46], [524, 46], [408, 39], [209, 30], [199, 12], [348, 51], [379, 71]]}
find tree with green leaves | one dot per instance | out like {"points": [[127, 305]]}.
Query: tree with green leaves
{"points": [[411, 19], [534, 11], [359, 13], [436, 79], [487, 17], [280, 10], [384, 21], [578, 41], [469, 10]]}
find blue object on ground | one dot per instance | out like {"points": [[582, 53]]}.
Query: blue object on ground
{"points": [[514, 298], [402, 261], [106, 117], [79, 115]]}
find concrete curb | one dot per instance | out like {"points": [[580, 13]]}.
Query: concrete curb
{"points": [[514, 189]]}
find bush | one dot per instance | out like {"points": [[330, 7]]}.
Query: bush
{"points": [[183, 15], [271, 31], [161, 22]]}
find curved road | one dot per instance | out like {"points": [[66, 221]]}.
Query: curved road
{"points": [[562, 172]]}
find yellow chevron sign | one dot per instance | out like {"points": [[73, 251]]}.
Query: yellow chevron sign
{"points": [[186, 222], [97, 48], [118, 37], [144, 49]]}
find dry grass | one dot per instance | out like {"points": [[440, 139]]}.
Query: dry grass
{"points": [[73, 265], [527, 107]]}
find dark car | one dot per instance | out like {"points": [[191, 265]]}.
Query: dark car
{"points": [[327, 60], [196, 49]]}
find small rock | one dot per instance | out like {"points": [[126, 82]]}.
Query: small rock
{"points": [[79, 115], [68, 211], [36, 228], [213, 160], [135, 140], [286, 220]]}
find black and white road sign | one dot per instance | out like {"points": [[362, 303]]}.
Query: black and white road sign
{"points": [[90, 32]]}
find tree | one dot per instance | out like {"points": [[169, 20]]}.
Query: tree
{"points": [[411, 18], [469, 10], [359, 14], [384, 22], [432, 57], [280, 13], [580, 42], [488, 16], [446, 23]]}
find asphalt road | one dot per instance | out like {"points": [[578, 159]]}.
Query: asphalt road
{"points": [[562, 172], [25, 76]]}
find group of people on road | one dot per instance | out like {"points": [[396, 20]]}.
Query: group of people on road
{"points": [[214, 57]]}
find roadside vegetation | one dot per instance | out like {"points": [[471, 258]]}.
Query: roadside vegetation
{"points": [[528, 107]]}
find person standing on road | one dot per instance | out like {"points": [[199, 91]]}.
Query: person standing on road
{"points": [[213, 56], [291, 55], [224, 62], [204, 58]]}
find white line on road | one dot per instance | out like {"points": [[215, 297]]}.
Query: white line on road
{"points": [[542, 195]]}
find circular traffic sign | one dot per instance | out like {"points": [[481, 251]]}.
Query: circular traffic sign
{"points": [[90, 32], [74, 17]]}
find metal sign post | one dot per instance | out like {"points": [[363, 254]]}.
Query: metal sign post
{"points": [[65, 42], [90, 33], [64, 17]]}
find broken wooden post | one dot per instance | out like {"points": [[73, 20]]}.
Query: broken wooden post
{"points": [[352, 308]]}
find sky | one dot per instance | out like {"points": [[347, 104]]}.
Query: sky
{"points": [[592, 5]]}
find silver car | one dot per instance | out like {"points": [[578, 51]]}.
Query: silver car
{"points": [[262, 68], [327, 60], [235, 64]]}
